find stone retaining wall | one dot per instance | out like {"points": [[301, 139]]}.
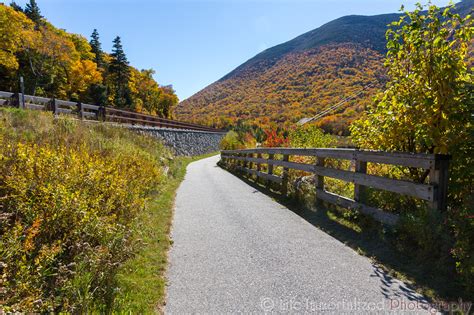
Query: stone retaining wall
{"points": [[185, 142]]}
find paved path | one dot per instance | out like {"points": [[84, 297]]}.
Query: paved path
{"points": [[237, 250]]}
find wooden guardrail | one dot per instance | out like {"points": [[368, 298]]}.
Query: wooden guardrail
{"points": [[434, 192], [95, 112]]}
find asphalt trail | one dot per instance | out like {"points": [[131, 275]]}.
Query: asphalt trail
{"points": [[237, 250]]}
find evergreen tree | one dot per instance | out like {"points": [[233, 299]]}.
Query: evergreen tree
{"points": [[16, 7], [97, 94], [33, 12], [120, 71], [97, 49]]}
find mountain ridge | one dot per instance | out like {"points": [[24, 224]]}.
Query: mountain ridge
{"points": [[302, 76], [306, 40]]}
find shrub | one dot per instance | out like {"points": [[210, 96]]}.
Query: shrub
{"points": [[275, 138], [69, 193], [427, 107], [310, 136], [231, 141]]}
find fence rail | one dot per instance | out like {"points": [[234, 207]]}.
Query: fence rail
{"points": [[95, 112], [434, 192]]}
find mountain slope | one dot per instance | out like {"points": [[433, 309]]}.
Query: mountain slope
{"points": [[366, 30], [301, 77]]}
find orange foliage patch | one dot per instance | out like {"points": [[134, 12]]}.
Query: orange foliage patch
{"points": [[298, 85]]}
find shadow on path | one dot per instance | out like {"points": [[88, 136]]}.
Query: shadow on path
{"points": [[372, 243]]}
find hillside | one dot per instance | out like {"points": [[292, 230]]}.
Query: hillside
{"points": [[301, 77]]}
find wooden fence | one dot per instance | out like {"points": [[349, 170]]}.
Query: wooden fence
{"points": [[95, 112], [434, 192]]}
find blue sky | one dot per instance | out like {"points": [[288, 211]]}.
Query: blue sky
{"points": [[192, 43]]}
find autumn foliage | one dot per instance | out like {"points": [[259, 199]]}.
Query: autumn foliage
{"points": [[427, 107], [70, 196], [298, 85], [55, 63], [274, 139]]}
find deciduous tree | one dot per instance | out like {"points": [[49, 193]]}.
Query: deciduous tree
{"points": [[427, 107], [16, 34], [427, 104]]}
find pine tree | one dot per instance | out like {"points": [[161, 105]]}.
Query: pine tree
{"points": [[97, 49], [16, 7], [33, 12], [97, 94], [120, 71], [118, 55]]}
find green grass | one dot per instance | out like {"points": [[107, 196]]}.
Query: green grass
{"points": [[141, 280]]}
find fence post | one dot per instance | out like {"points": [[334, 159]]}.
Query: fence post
{"points": [[16, 100], [439, 179], [284, 176], [241, 164], [248, 164], [320, 161], [80, 110], [270, 166], [54, 106], [101, 113], [359, 190], [23, 102], [259, 166], [22, 87]]}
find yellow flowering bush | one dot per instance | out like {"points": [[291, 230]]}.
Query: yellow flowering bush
{"points": [[69, 194]]}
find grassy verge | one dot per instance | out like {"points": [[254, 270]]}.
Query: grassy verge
{"points": [[141, 280], [85, 211]]}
